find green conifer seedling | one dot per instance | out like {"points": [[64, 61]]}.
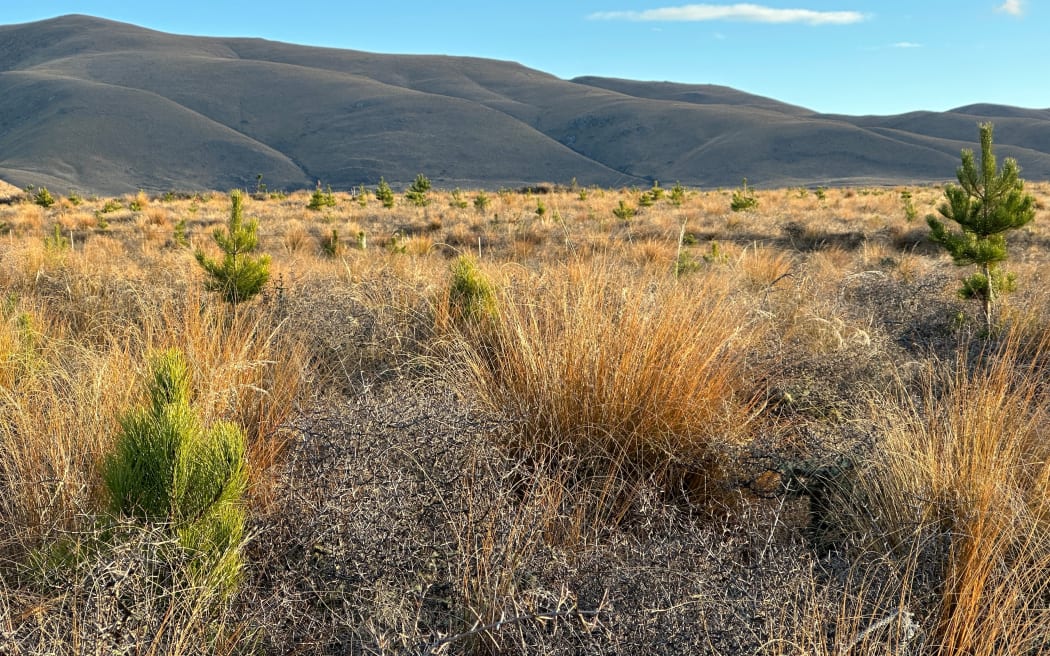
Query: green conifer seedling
{"points": [[384, 194], [321, 198], [239, 276], [417, 193], [168, 469], [471, 293], [986, 204]]}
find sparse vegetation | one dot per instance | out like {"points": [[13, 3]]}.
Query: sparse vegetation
{"points": [[138, 202], [571, 433]]}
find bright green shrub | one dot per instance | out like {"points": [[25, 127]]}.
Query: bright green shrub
{"points": [[743, 199], [677, 194], [417, 193], [623, 211], [43, 197], [471, 294], [239, 276], [168, 469], [321, 198], [458, 201], [384, 194]]}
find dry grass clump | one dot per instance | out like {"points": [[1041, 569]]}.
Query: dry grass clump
{"points": [[125, 596], [959, 484], [763, 267], [643, 376]]}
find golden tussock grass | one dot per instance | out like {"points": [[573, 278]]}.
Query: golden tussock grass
{"points": [[641, 373], [961, 476]]}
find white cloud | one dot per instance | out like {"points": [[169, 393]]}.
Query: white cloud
{"points": [[905, 44], [1012, 7], [737, 12]]}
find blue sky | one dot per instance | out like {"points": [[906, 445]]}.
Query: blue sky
{"points": [[839, 56]]}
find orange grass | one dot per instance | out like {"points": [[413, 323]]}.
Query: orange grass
{"points": [[971, 464], [642, 372]]}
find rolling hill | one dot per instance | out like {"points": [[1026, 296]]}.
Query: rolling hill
{"points": [[106, 107]]}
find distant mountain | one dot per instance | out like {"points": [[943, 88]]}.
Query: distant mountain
{"points": [[107, 107]]}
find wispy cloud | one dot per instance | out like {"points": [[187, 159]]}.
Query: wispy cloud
{"points": [[1012, 7], [905, 44], [738, 12]]}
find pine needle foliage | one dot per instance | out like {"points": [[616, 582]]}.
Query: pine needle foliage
{"points": [[985, 204], [169, 470], [238, 276], [743, 200], [384, 194], [417, 193], [43, 197], [472, 296], [321, 198]]}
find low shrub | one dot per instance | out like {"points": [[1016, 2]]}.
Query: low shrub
{"points": [[471, 294], [167, 469], [743, 199]]}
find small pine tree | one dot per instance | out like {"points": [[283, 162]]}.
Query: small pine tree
{"points": [[458, 201], [986, 204], [321, 198], [330, 245], [167, 468], [471, 295], [743, 199], [677, 194], [417, 193], [910, 213], [179, 234], [481, 201], [43, 197], [57, 241], [384, 194], [239, 276], [623, 211]]}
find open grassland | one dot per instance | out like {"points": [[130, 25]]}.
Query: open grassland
{"points": [[536, 423]]}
